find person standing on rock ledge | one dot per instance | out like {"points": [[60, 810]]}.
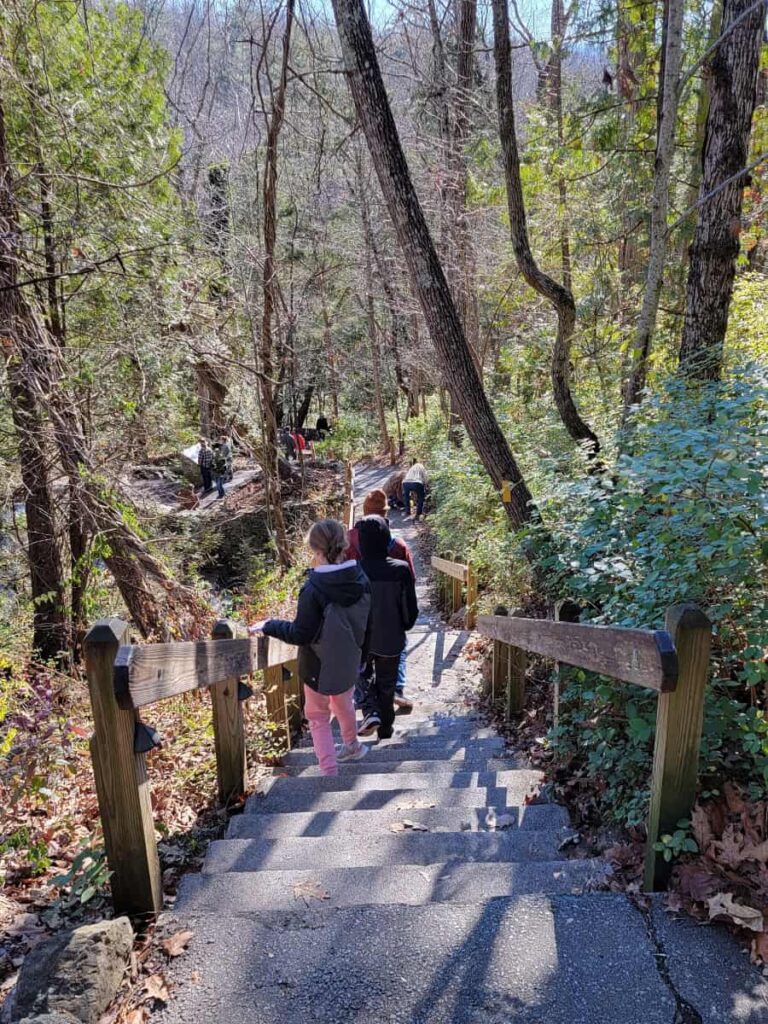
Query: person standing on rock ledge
{"points": [[331, 630], [205, 464]]}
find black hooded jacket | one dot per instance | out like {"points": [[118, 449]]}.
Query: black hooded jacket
{"points": [[394, 609], [345, 586]]}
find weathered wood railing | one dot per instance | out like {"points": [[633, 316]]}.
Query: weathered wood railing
{"points": [[124, 678], [459, 587], [673, 661]]}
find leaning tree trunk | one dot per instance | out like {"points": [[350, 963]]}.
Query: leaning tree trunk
{"points": [[266, 354], [734, 68], [37, 367], [427, 277], [560, 297], [669, 85], [50, 629]]}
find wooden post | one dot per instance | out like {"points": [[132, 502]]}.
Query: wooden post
{"points": [[498, 669], [565, 611], [456, 596], [471, 598], [276, 711], [121, 781], [228, 731], [293, 698], [679, 720], [516, 664]]}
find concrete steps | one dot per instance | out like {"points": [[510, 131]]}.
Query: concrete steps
{"points": [[244, 850], [411, 750], [535, 817], [248, 892]]}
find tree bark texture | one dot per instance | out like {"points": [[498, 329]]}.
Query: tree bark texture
{"points": [[266, 354], [427, 277], [669, 87], [560, 297], [734, 68]]}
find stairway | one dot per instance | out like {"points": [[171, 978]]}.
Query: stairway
{"points": [[430, 884]]}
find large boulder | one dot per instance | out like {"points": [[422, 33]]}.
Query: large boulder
{"points": [[189, 466], [76, 973]]}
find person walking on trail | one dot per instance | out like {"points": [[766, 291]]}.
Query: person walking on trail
{"points": [[415, 482], [286, 442], [331, 631], [220, 467], [205, 465], [375, 504], [394, 611], [322, 426]]}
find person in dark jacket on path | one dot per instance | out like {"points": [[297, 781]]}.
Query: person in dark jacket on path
{"points": [[394, 611], [331, 631]]}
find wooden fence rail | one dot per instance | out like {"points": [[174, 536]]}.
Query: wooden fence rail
{"points": [[122, 678], [459, 587], [673, 661]]}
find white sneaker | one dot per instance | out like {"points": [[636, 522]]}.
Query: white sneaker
{"points": [[351, 752]]}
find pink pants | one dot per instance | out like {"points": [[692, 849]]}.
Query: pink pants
{"points": [[319, 710]]}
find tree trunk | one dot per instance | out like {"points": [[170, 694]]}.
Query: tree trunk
{"points": [[734, 68], [560, 297], [303, 410], [373, 333], [427, 277], [270, 454], [669, 87]]}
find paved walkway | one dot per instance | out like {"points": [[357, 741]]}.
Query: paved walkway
{"points": [[391, 895]]}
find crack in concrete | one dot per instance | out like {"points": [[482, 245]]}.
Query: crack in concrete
{"points": [[684, 1012]]}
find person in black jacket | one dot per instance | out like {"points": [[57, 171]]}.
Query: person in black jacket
{"points": [[331, 630], [394, 611]]}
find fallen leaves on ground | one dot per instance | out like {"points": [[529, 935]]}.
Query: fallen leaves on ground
{"points": [[310, 890], [407, 825], [723, 905], [177, 943], [156, 988]]}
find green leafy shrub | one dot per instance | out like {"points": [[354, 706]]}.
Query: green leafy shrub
{"points": [[682, 518]]}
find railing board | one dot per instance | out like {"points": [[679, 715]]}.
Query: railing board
{"points": [[152, 672], [454, 569], [640, 656]]}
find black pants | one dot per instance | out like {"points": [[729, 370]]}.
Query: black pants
{"points": [[380, 691], [207, 476]]}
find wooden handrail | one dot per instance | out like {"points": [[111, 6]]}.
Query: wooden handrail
{"points": [[673, 661], [456, 570], [642, 656], [123, 678], [460, 574], [147, 673]]}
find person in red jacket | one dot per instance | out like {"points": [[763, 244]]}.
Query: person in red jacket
{"points": [[375, 504]]}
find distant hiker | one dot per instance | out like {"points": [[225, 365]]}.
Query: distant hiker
{"points": [[322, 426], [220, 468], [205, 464], [227, 452], [375, 504], [330, 630], [393, 488], [393, 612], [415, 482], [299, 441], [287, 443]]}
